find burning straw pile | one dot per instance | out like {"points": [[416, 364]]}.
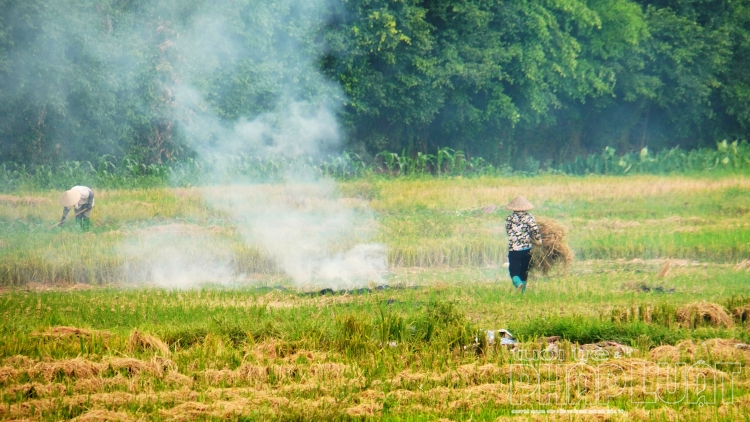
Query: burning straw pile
{"points": [[554, 250]]}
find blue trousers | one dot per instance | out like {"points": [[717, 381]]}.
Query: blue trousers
{"points": [[518, 263]]}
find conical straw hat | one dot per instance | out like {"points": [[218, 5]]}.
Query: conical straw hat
{"points": [[70, 198], [519, 203]]}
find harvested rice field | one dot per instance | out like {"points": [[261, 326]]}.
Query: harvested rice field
{"points": [[378, 299]]}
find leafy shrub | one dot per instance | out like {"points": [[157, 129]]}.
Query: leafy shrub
{"points": [[110, 172]]}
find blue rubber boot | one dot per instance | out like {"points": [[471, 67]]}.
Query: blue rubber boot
{"points": [[516, 281], [523, 287]]}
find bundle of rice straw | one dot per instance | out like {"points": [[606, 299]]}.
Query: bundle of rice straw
{"points": [[554, 250], [699, 313], [142, 341]]}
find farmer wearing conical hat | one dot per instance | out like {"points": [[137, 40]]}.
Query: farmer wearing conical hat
{"points": [[521, 228], [81, 199]]}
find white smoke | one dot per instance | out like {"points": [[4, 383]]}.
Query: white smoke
{"points": [[294, 129], [177, 256], [317, 238]]}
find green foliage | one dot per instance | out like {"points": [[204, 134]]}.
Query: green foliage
{"points": [[110, 173], [352, 335], [517, 83], [727, 157], [458, 73], [443, 323], [586, 330]]}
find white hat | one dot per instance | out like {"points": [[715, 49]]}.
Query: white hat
{"points": [[70, 198], [519, 203]]}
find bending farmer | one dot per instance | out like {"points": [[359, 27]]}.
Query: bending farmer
{"points": [[521, 228], [82, 199]]}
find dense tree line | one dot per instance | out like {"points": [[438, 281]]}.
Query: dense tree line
{"points": [[510, 81]]}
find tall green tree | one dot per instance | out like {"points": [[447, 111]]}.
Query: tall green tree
{"points": [[423, 74], [513, 81]]}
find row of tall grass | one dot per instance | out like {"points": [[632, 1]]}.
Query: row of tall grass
{"points": [[111, 172]]}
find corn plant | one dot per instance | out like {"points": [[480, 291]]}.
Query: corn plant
{"points": [[732, 157], [443, 154], [390, 160], [404, 163], [423, 163]]}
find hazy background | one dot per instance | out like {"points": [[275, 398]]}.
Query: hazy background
{"points": [[528, 85]]}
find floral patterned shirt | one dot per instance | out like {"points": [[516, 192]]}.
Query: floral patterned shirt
{"points": [[520, 226]]}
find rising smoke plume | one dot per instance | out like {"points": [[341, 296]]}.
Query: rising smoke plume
{"points": [[314, 236]]}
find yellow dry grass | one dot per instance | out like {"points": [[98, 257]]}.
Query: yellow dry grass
{"points": [[719, 350], [195, 410], [665, 353], [76, 368], [18, 361], [140, 341], [7, 373], [92, 401], [330, 370], [156, 366], [272, 381], [176, 379], [478, 192], [247, 373], [711, 350], [554, 250], [103, 415], [364, 410], [701, 313], [17, 201], [88, 375], [101, 384], [664, 270], [743, 265], [36, 389], [63, 332]]}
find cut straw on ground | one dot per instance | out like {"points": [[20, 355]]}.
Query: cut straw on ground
{"points": [[703, 313]]}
